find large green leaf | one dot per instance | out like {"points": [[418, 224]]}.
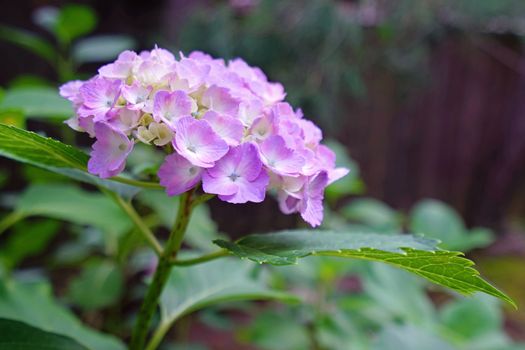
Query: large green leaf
{"points": [[415, 254], [192, 288], [99, 285], [20, 336], [44, 152], [33, 304], [70, 203], [37, 102]]}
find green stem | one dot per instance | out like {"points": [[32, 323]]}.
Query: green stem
{"points": [[10, 219], [143, 184], [139, 223], [159, 334], [161, 275], [198, 260]]}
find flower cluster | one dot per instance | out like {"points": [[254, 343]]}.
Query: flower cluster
{"points": [[223, 124]]}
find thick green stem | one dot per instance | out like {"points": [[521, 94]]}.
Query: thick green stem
{"points": [[161, 275]]}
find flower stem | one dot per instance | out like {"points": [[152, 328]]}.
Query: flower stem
{"points": [[194, 261], [139, 223], [137, 183], [162, 272]]}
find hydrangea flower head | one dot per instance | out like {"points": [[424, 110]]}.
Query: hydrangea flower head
{"points": [[224, 126]]}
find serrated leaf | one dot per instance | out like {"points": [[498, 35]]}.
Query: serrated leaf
{"points": [[44, 152], [415, 254], [192, 288], [37, 102], [20, 336], [33, 304]]}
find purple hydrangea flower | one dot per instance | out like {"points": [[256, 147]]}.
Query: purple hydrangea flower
{"points": [[238, 177], [110, 151], [229, 126]]}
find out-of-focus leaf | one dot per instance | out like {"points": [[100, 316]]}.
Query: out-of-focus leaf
{"points": [[414, 254], [436, 219], [351, 183], [37, 102], [29, 80], [20, 336], [397, 295], [13, 118], [46, 17], [99, 285], [44, 152], [69, 203], [29, 41], [473, 317], [27, 239], [102, 48], [192, 288], [272, 330], [374, 214], [33, 304], [74, 20], [408, 337]]}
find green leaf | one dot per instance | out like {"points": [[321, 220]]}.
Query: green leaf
{"points": [[438, 220], [351, 183], [415, 254], [192, 288], [37, 102], [70, 203], [99, 285], [102, 48], [409, 337], [33, 304], [73, 21], [44, 152], [20, 336], [373, 213], [29, 41], [28, 239]]}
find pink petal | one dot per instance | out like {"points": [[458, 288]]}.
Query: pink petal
{"points": [[221, 185], [178, 175], [110, 151], [279, 158], [230, 129], [219, 100], [196, 141], [170, 106]]}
